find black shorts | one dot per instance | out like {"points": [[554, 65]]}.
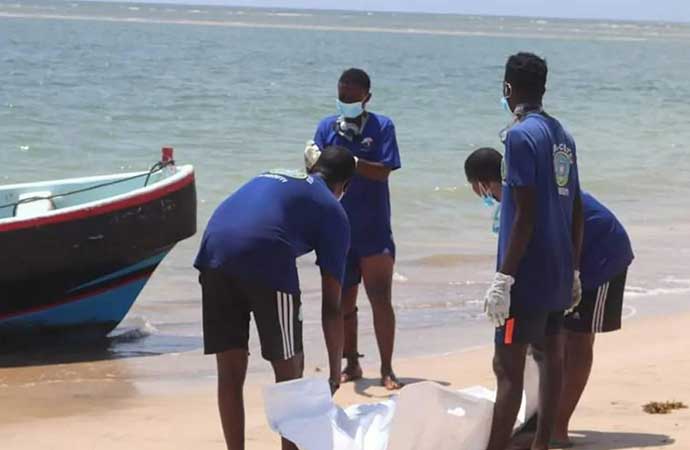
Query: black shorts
{"points": [[601, 309], [529, 328], [227, 302]]}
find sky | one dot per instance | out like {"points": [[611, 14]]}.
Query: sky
{"points": [[662, 10]]}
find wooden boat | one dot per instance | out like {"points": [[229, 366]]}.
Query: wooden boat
{"points": [[76, 253]]}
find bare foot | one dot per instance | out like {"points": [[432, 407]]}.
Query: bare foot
{"points": [[352, 372], [390, 382]]}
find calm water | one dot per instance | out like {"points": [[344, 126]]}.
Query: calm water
{"points": [[90, 88]]}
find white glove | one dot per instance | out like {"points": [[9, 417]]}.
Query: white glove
{"points": [[311, 155], [577, 293], [497, 299]]}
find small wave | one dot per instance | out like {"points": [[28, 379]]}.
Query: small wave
{"points": [[636, 292], [290, 14], [399, 277], [139, 329], [445, 189], [449, 260], [674, 280], [133, 8]]}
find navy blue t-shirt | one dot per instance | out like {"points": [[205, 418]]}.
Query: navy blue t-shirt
{"points": [[259, 231], [366, 201], [541, 154], [606, 249]]}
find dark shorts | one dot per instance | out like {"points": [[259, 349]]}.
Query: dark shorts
{"points": [[353, 269], [601, 309], [529, 329], [227, 303]]}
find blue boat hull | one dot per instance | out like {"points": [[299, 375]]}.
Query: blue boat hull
{"points": [[80, 275], [95, 308]]}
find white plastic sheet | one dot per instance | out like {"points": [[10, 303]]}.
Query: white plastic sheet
{"points": [[303, 412], [424, 416]]}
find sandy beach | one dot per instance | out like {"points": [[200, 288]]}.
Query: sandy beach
{"points": [[96, 406]]}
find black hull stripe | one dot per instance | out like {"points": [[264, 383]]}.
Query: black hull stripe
{"points": [[91, 291]]}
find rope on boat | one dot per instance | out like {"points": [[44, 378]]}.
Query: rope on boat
{"points": [[155, 168]]}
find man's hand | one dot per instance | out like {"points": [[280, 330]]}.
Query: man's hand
{"points": [[497, 299], [311, 155], [577, 293]]}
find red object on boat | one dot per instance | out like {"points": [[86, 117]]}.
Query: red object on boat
{"points": [[166, 154]]}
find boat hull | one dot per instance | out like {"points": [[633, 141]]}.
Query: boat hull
{"points": [[83, 270]]}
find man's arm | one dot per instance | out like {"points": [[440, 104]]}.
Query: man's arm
{"points": [[332, 323], [523, 227], [578, 229], [373, 170]]}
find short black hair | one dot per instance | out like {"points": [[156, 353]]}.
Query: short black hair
{"points": [[358, 77], [527, 72], [483, 164], [336, 165]]}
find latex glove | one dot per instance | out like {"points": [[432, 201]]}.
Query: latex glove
{"points": [[311, 155], [577, 293], [497, 299]]}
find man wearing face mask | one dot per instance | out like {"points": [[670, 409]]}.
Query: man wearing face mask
{"points": [[606, 255], [540, 241], [247, 263], [371, 139]]}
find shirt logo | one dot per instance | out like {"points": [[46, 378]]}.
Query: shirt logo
{"points": [[562, 164], [367, 143]]}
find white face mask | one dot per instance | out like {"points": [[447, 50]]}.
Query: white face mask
{"points": [[349, 110]]}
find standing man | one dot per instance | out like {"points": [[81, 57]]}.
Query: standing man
{"points": [[540, 240], [371, 139], [247, 264], [606, 255]]}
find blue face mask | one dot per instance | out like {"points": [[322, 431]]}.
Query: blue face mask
{"points": [[506, 105], [496, 224], [349, 110], [489, 201]]}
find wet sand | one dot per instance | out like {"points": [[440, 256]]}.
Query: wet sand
{"points": [[111, 405]]}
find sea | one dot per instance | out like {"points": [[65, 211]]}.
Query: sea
{"points": [[92, 88]]}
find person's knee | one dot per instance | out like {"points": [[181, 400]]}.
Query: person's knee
{"points": [[232, 368], [507, 375], [379, 292], [349, 299]]}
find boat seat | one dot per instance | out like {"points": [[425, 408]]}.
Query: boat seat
{"points": [[35, 207]]}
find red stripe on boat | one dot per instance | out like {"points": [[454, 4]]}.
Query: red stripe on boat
{"points": [[100, 209], [77, 297]]}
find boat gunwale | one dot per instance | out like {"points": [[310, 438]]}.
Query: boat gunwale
{"points": [[183, 177]]}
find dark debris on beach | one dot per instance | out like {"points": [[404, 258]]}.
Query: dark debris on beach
{"points": [[663, 407]]}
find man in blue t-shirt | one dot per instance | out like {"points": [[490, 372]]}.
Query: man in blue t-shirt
{"points": [[247, 263], [606, 255], [371, 139], [540, 240]]}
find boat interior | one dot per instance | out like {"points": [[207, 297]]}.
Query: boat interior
{"points": [[27, 200]]}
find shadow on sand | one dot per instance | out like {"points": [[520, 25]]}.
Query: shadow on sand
{"points": [[601, 440], [614, 440], [127, 344]]}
